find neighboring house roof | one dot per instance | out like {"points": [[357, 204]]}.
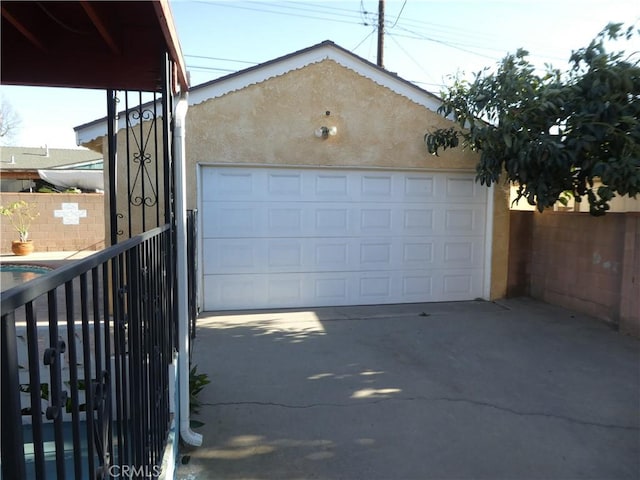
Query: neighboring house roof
{"points": [[16, 159], [326, 50]]}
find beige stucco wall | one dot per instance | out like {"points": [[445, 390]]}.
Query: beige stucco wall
{"points": [[273, 123]]}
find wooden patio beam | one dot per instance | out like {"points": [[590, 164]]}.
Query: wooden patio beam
{"points": [[97, 21], [23, 30]]}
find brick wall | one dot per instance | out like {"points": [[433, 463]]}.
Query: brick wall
{"points": [[588, 264], [79, 227]]}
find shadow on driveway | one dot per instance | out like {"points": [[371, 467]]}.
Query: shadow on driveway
{"points": [[511, 390]]}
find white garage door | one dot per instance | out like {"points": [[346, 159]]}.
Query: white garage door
{"points": [[275, 237]]}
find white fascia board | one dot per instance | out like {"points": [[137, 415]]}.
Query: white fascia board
{"points": [[91, 131], [98, 128], [298, 61], [261, 73]]}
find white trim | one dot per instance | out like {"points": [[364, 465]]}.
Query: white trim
{"points": [[488, 247], [98, 129], [275, 68], [200, 259], [335, 167], [300, 60]]}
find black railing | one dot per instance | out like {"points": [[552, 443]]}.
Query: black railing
{"points": [[192, 267], [85, 356]]}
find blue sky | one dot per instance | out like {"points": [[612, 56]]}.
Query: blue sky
{"points": [[426, 41]]}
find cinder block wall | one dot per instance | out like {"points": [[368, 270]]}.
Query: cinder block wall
{"points": [[83, 228], [588, 264], [520, 245]]}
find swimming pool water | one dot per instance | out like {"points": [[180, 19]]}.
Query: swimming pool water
{"points": [[12, 275]]}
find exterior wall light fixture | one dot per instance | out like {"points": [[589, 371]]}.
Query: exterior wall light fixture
{"points": [[325, 132]]}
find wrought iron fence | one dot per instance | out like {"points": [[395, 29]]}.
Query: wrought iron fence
{"points": [[192, 255], [85, 356]]}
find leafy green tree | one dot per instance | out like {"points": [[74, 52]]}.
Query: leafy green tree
{"points": [[555, 134]]}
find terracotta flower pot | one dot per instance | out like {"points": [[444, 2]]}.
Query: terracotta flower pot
{"points": [[22, 248]]}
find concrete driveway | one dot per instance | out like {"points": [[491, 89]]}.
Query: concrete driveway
{"points": [[509, 390]]}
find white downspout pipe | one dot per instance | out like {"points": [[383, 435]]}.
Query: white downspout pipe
{"points": [[188, 436]]}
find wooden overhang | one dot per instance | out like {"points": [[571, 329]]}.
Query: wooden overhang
{"points": [[119, 45]]}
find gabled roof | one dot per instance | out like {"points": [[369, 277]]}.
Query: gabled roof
{"points": [[27, 158], [314, 54], [326, 50]]}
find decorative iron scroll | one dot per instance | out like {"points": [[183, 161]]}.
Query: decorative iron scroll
{"points": [[143, 189], [140, 160], [119, 231]]}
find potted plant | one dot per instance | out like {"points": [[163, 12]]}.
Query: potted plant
{"points": [[21, 214]]}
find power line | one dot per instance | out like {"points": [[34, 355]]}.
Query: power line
{"points": [[202, 68], [221, 59], [363, 17], [437, 33], [399, 15], [373, 30], [419, 65], [419, 36], [233, 5], [304, 7]]}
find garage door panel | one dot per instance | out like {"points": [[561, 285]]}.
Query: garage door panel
{"points": [[419, 188], [376, 255], [373, 288], [233, 291], [242, 255], [232, 255], [417, 287], [375, 221], [332, 221], [331, 289], [286, 289], [460, 188], [285, 185], [333, 255], [284, 255], [313, 219], [331, 187], [312, 185], [463, 285], [467, 221], [227, 184], [284, 221], [417, 253], [418, 221], [376, 187], [460, 253], [318, 237]]}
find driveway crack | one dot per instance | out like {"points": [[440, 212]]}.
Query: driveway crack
{"points": [[476, 403], [525, 413], [286, 405]]}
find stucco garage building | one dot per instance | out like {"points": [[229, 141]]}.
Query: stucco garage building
{"points": [[314, 188]]}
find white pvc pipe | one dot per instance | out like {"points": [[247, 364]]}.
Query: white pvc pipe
{"points": [[188, 436]]}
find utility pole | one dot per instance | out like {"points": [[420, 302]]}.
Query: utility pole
{"points": [[380, 62]]}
